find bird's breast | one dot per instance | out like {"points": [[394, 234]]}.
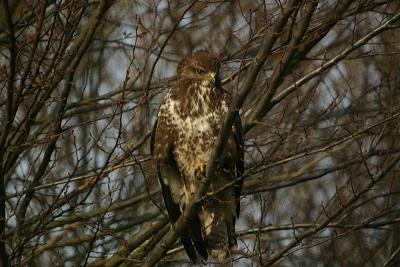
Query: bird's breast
{"points": [[197, 123]]}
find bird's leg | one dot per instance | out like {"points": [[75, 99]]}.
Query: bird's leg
{"points": [[200, 171]]}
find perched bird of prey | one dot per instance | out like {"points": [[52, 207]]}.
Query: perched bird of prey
{"points": [[186, 131]]}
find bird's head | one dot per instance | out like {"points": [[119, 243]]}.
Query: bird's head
{"points": [[201, 66]]}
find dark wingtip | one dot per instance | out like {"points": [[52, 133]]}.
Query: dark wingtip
{"points": [[197, 237], [189, 248]]}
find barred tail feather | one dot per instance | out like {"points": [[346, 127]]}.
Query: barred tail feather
{"points": [[219, 229]]}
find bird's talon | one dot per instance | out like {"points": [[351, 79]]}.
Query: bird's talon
{"points": [[201, 168]]}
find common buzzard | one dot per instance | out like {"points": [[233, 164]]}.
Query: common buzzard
{"points": [[186, 131]]}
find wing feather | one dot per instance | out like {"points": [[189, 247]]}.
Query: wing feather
{"points": [[238, 134], [191, 237], [174, 213]]}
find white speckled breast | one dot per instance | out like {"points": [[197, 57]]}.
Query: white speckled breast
{"points": [[197, 130]]}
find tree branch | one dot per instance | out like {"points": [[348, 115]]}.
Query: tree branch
{"points": [[285, 92]]}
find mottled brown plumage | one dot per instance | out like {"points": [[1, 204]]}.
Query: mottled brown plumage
{"points": [[187, 128]]}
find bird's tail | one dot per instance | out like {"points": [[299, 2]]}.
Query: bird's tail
{"points": [[218, 223]]}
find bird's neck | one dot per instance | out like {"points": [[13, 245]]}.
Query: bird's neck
{"points": [[196, 99]]}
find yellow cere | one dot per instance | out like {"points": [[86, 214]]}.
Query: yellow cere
{"points": [[211, 75]]}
